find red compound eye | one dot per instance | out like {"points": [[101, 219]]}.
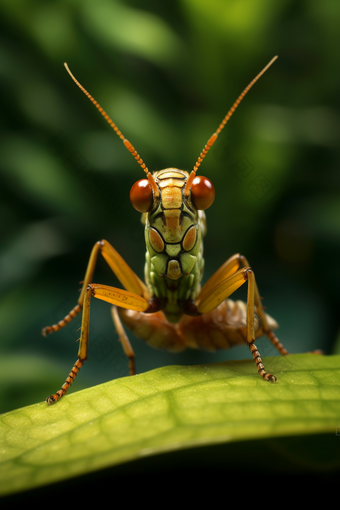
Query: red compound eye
{"points": [[202, 193], [141, 196]]}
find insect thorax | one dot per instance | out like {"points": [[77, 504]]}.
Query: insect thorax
{"points": [[174, 250]]}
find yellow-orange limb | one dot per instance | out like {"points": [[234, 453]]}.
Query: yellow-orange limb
{"points": [[259, 364], [227, 269], [118, 297], [260, 312], [251, 330], [76, 367], [250, 306], [215, 295], [82, 352], [112, 295], [122, 337], [221, 285], [120, 268]]}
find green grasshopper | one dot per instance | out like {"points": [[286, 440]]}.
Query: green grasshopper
{"points": [[170, 310]]}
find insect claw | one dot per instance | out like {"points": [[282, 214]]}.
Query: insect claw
{"points": [[51, 400], [47, 331]]}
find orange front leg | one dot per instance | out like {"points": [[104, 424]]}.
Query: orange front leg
{"points": [[136, 296], [118, 297], [120, 268], [251, 331], [259, 308], [229, 268], [221, 285]]}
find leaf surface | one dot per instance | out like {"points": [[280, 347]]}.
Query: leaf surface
{"points": [[167, 409]]}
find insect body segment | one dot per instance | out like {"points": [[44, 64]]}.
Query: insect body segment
{"points": [[171, 310], [174, 262]]}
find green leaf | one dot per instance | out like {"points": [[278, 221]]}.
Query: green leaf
{"points": [[168, 409]]}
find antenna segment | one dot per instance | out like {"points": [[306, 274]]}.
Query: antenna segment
{"points": [[213, 138], [126, 142]]}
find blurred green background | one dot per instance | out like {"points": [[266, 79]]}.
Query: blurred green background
{"points": [[166, 73]]}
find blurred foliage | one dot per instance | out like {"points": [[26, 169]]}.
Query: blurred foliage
{"points": [[166, 73]]}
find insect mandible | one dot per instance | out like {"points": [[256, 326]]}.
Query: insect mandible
{"points": [[170, 310]]}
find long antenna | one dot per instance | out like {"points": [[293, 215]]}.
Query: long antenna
{"points": [[126, 142], [213, 138]]}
